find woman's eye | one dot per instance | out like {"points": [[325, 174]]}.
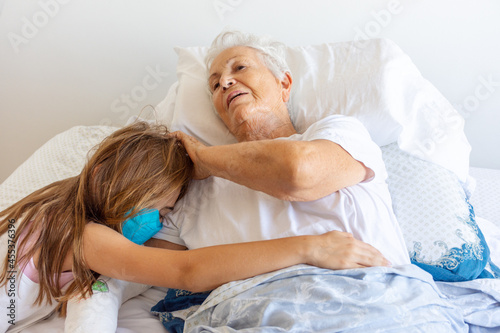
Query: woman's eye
{"points": [[240, 67], [214, 86]]}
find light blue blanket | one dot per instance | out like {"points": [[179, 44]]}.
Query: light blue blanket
{"points": [[378, 299]]}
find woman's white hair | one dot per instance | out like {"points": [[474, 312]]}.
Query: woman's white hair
{"points": [[272, 51]]}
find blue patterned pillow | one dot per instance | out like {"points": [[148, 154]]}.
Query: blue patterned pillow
{"points": [[436, 218]]}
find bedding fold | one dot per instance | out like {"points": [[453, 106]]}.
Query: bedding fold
{"points": [[309, 299]]}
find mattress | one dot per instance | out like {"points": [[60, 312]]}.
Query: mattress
{"points": [[135, 315]]}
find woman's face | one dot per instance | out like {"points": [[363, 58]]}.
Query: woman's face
{"points": [[244, 91]]}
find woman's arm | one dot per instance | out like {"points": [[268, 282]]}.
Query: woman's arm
{"points": [[109, 253], [288, 170]]}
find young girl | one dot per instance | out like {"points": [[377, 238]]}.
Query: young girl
{"points": [[63, 236]]}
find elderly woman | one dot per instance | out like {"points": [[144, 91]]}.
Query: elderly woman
{"points": [[275, 182]]}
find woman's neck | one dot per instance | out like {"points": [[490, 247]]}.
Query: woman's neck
{"points": [[265, 128]]}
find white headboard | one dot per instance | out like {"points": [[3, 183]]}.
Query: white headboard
{"points": [[87, 62]]}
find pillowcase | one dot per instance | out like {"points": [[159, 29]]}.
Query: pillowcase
{"points": [[375, 82], [436, 219]]}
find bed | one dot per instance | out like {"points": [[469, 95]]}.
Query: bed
{"points": [[441, 203]]}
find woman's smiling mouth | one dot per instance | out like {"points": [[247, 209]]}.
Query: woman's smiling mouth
{"points": [[234, 95]]}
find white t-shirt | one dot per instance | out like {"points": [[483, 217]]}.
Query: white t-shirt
{"points": [[18, 305], [217, 211]]}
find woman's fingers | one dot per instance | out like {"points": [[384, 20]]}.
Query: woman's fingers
{"points": [[340, 250], [370, 256], [192, 146]]}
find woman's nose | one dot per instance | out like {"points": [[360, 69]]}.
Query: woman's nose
{"points": [[227, 82]]}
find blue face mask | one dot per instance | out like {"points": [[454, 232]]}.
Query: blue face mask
{"points": [[142, 226]]}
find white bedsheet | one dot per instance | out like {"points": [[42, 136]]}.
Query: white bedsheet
{"points": [[486, 197]]}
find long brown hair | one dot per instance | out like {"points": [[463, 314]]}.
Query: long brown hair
{"points": [[129, 171]]}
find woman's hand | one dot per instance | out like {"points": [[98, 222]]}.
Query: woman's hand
{"points": [[193, 148], [340, 250]]}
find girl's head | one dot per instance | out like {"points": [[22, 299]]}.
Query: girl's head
{"points": [[134, 168]]}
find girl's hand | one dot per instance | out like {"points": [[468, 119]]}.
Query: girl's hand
{"points": [[340, 250]]}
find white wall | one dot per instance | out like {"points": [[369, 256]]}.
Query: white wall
{"points": [[86, 62]]}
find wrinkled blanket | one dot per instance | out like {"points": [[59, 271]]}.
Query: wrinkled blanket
{"points": [[378, 299]]}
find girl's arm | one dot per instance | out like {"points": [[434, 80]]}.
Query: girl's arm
{"points": [[109, 253]]}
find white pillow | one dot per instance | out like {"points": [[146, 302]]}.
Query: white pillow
{"points": [[378, 84]]}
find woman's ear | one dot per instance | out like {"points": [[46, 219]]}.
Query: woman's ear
{"points": [[286, 86]]}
